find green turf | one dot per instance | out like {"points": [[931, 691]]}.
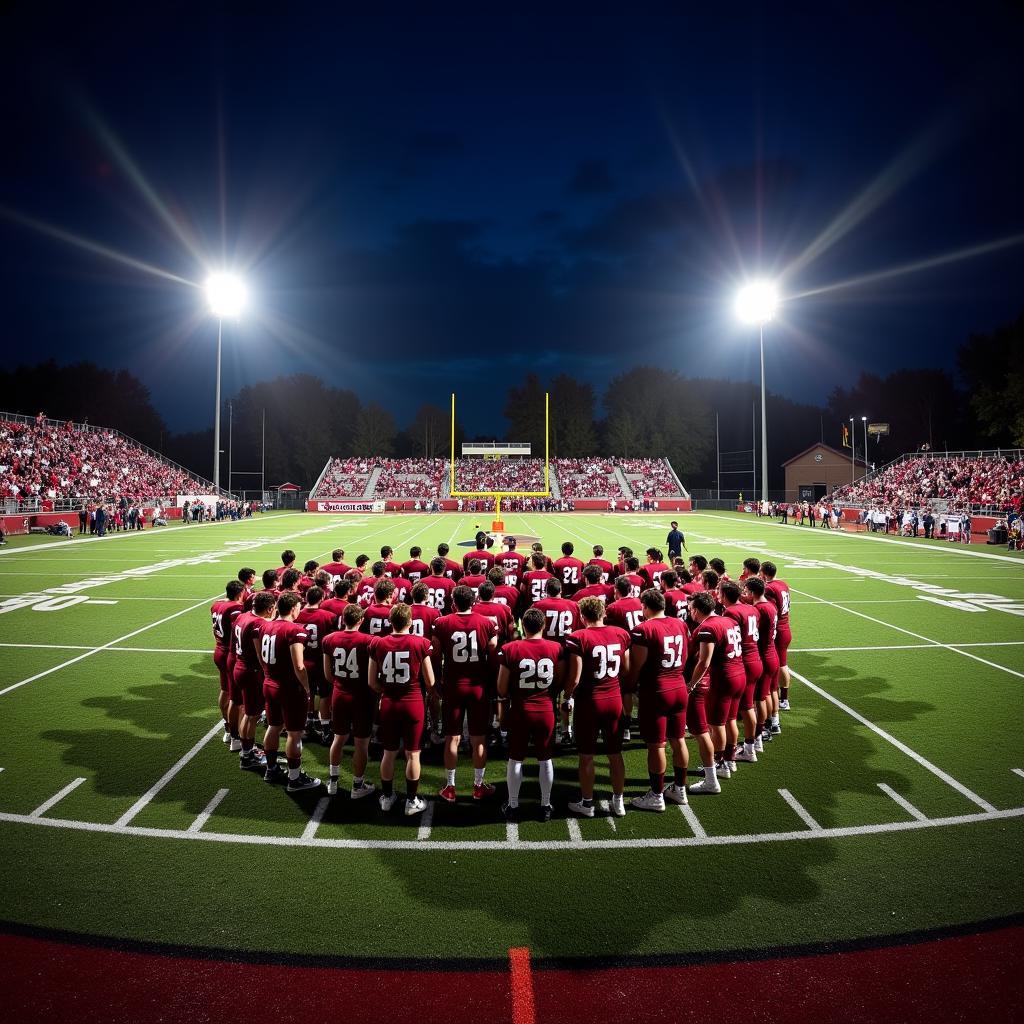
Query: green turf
{"points": [[121, 717]]}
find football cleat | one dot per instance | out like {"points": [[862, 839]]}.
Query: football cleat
{"points": [[580, 808], [618, 805], [417, 805], [234, 746], [226, 737], [482, 790], [510, 813], [722, 768], [742, 755], [783, 705], [387, 801], [676, 794], [303, 781], [625, 736], [776, 729], [707, 787], [650, 801], [731, 765], [447, 793], [332, 786], [758, 746], [252, 762], [545, 812], [363, 789], [275, 774]]}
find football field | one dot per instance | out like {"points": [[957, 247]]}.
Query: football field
{"points": [[892, 803]]}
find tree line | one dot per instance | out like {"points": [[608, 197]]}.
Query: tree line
{"points": [[642, 412]]}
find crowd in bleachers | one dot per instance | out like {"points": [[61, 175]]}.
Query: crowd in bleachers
{"points": [[650, 478], [512, 474], [410, 478], [962, 481], [345, 478], [588, 478], [48, 460]]}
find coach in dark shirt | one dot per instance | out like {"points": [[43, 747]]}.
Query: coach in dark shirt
{"points": [[675, 541]]}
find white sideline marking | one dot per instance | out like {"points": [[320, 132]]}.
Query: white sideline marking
{"points": [[426, 822], [107, 646], [894, 647], [575, 835], [903, 802], [167, 776], [909, 632], [1016, 771], [318, 815], [801, 812], [512, 835], [898, 744], [204, 817], [606, 807], [56, 798], [129, 650], [691, 820], [96, 600]]}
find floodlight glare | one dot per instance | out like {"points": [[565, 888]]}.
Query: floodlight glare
{"points": [[226, 295], [756, 302]]}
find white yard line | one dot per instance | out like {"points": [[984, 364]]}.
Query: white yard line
{"points": [[130, 650], [512, 835], [167, 776], [56, 798], [691, 819], [903, 802], [1016, 771], [317, 816], [801, 812], [906, 647], [575, 835], [898, 744], [910, 632], [204, 816], [426, 822]]}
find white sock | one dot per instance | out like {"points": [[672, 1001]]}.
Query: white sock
{"points": [[514, 778], [711, 772], [547, 780], [334, 770], [293, 773], [478, 776], [357, 781], [450, 773]]}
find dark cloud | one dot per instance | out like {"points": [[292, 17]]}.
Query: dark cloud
{"points": [[591, 178]]}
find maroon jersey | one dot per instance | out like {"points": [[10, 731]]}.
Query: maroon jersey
{"points": [[349, 655], [377, 620], [533, 585], [602, 591], [675, 603], [277, 637], [439, 592], [336, 606], [364, 591], [486, 560], [318, 624], [561, 617], [336, 570], [531, 671], [606, 567], [767, 627], [569, 571], [778, 593], [473, 582], [282, 569], [452, 569], [463, 641], [244, 630], [746, 617], [513, 565], [500, 615], [627, 612], [250, 600], [508, 596], [727, 661], [399, 658], [600, 648], [693, 587], [403, 590], [392, 569], [423, 619], [223, 614], [414, 570], [665, 640], [305, 582], [636, 583], [651, 572]]}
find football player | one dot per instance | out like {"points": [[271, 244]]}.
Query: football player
{"points": [[747, 618], [511, 562], [223, 614], [777, 591], [248, 677], [415, 569], [317, 622], [377, 618], [568, 570], [592, 574], [439, 586], [602, 563], [768, 684], [534, 579], [287, 562], [651, 572]]}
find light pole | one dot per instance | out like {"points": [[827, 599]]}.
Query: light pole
{"points": [[864, 420], [226, 295], [755, 304], [853, 451]]}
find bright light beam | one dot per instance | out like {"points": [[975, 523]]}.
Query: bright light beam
{"points": [[90, 246], [226, 294], [914, 267], [756, 302]]}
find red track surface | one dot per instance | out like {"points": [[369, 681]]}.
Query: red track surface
{"points": [[966, 978]]}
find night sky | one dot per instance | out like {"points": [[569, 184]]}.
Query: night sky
{"points": [[422, 205]]}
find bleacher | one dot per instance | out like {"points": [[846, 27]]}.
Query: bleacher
{"points": [[651, 478]]}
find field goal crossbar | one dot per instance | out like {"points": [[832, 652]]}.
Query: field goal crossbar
{"points": [[497, 450]]}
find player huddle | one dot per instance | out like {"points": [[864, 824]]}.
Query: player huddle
{"points": [[534, 654]]}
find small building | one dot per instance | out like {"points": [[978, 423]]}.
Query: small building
{"points": [[818, 471]]}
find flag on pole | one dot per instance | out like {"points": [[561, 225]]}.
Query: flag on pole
{"points": [[846, 436]]}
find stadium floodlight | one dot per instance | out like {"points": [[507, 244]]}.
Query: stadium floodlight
{"points": [[226, 295], [755, 304]]}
